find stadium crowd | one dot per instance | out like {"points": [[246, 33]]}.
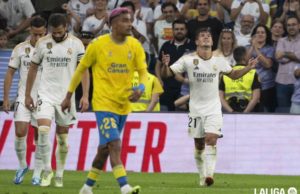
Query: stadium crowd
{"points": [[267, 29]]}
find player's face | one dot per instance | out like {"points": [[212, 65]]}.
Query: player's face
{"points": [[180, 32], [204, 40], [123, 24], [59, 33], [36, 33]]}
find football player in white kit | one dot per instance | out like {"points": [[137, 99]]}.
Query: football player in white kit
{"points": [[20, 60], [205, 116], [58, 54]]}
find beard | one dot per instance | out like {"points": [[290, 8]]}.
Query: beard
{"points": [[59, 39], [179, 38]]}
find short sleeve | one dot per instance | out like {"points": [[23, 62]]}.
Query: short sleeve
{"points": [[15, 60], [140, 57], [179, 66], [157, 88], [89, 58]]}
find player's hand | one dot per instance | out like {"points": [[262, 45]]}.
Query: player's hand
{"points": [[84, 104], [135, 96], [6, 106], [165, 59], [66, 104], [29, 103]]}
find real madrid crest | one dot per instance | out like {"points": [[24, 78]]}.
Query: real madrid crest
{"points": [[196, 63], [49, 46], [27, 51], [69, 51], [215, 67], [129, 55]]}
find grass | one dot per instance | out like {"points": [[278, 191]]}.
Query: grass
{"points": [[154, 183]]}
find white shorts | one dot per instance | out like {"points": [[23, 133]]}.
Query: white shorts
{"points": [[22, 114], [198, 126], [47, 110]]}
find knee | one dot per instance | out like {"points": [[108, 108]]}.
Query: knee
{"points": [[114, 146], [62, 142]]}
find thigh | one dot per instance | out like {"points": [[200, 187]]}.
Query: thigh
{"points": [[213, 124], [45, 110], [21, 113], [195, 127], [66, 118], [110, 126]]}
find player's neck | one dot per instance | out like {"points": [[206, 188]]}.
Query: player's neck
{"points": [[117, 38], [204, 53]]}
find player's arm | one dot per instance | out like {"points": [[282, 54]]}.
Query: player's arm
{"points": [[7, 84], [33, 69], [85, 83], [237, 73]]}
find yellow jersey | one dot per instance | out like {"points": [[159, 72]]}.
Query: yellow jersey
{"points": [[113, 65]]}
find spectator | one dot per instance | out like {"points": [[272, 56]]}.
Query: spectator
{"points": [[158, 15], [288, 56], [175, 48], [295, 107], [97, 23], [18, 14], [241, 95], [112, 4], [163, 28], [204, 20], [3, 39], [249, 7], [261, 47], [243, 35], [80, 9], [290, 7], [47, 7], [226, 45], [277, 30], [139, 29], [149, 101]]}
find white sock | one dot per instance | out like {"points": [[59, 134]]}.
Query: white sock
{"points": [[20, 147], [200, 163], [211, 159], [38, 162], [126, 189], [45, 147], [61, 153]]}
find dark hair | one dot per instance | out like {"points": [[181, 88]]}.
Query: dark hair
{"points": [[291, 17], [128, 4], [239, 54], [200, 30], [167, 4], [57, 19], [268, 33], [179, 21], [38, 21]]}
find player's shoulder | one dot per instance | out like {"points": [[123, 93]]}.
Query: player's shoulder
{"points": [[191, 55], [132, 40], [44, 39], [22, 45], [74, 39]]}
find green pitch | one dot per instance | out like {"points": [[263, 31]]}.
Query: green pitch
{"points": [[163, 183]]}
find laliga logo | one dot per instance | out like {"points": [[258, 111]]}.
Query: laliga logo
{"points": [[291, 190]]}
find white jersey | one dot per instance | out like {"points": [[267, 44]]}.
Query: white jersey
{"points": [[20, 60], [204, 82], [59, 61], [91, 23]]}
